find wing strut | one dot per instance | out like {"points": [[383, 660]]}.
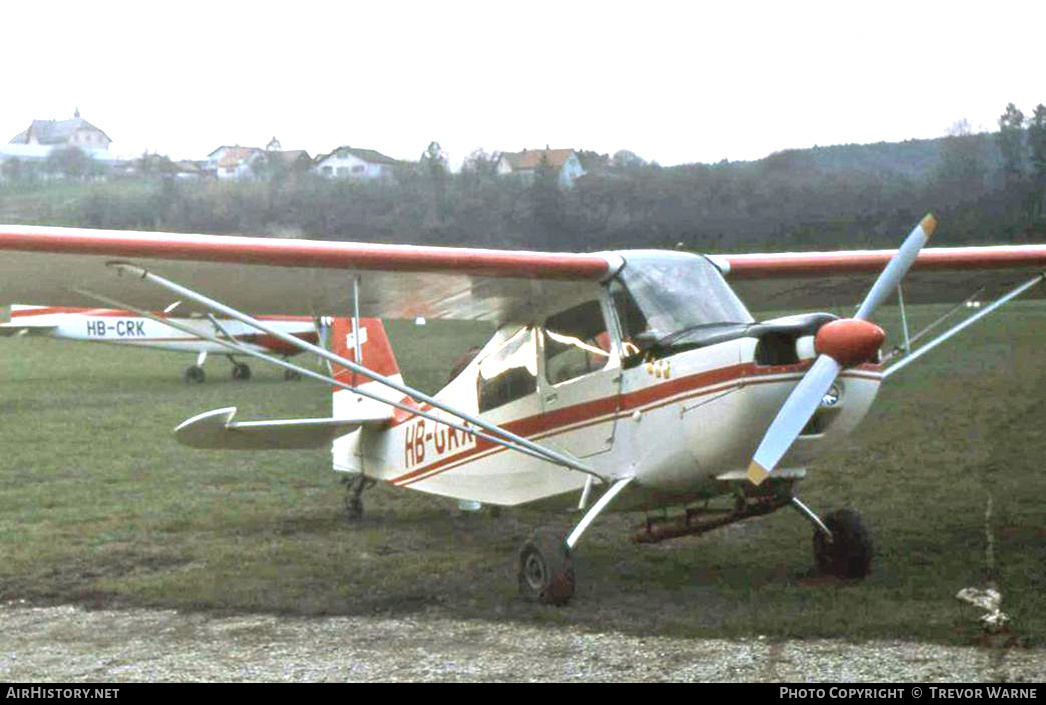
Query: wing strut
{"points": [[912, 357], [238, 348], [495, 434], [907, 347], [356, 349]]}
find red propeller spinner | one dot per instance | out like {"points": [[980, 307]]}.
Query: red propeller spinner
{"points": [[849, 341]]}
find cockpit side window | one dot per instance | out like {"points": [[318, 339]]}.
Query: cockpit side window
{"points": [[576, 342], [509, 372]]}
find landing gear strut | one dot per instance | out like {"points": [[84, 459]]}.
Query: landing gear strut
{"points": [[240, 370], [195, 373]]}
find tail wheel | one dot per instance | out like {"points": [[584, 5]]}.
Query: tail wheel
{"points": [[241, 371], [354, 508], [195, 374], [354, 486], [546, 569], [849, 553]]}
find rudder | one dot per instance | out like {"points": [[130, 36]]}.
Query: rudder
{"points": [[375, 351]]}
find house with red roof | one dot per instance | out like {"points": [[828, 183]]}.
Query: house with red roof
{"points": [[525, 164]]}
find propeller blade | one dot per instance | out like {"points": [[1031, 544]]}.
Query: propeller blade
{"points": [[840, 343], [897, 268], [793, 416]]}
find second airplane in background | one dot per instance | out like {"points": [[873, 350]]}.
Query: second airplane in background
{"points": [[106, 325]]}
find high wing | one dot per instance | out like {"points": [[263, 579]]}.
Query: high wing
{"points": [[837, 280], [46, 265]]}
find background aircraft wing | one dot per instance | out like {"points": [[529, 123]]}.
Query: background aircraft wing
{"points": [[836, 281], [45, 265]]}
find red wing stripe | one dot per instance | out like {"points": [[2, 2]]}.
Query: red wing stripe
{"points": [[804, 264], [49, 310], [117, 313], [305, 253]]}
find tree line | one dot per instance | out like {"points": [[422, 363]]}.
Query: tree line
{"points": [[988, 187]]}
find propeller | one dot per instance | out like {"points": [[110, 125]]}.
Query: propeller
{"points": [[841, 343]]}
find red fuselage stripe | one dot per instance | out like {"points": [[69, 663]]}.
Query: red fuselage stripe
{"points": [[546, 425]]}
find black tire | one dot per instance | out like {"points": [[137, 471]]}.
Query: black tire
{"points": [[241, 371], [292, 375], [849, 553], [546, 569], [195, 374]]}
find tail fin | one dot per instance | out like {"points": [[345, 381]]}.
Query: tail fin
{"points": [[375, 351]]}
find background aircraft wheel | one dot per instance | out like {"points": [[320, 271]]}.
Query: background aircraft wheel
{"points": [[195, 374], [849, 554], [241, 371], [546, 570], [291, 375]]}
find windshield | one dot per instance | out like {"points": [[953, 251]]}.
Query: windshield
{"points": [[667, 294]]}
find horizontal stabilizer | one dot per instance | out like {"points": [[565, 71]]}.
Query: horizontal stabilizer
{"points": [[215, 430], [16, 329]]}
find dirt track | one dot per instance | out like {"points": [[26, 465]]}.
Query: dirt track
{"points": [[62, 644]]}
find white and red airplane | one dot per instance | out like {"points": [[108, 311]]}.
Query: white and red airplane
{"points": [[629, 380], [108, 325]]}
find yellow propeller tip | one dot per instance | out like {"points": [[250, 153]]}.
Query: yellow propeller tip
{"points": [[928, 224], [756, 473]]}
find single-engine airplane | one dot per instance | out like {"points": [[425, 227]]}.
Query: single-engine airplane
{"points": [[107, 325], [631, 380]]}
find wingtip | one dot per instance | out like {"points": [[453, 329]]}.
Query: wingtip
{"points": [[756, 473], [928, 224]]}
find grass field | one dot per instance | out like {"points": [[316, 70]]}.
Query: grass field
{"points": [[99, 506]]}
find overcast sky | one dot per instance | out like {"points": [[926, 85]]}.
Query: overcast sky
{"points": [[673, 82]]}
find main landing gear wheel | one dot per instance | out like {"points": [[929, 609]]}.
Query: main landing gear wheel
{"points": [[241, 371], [849, 553], [195, 374], [546, 569]]}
